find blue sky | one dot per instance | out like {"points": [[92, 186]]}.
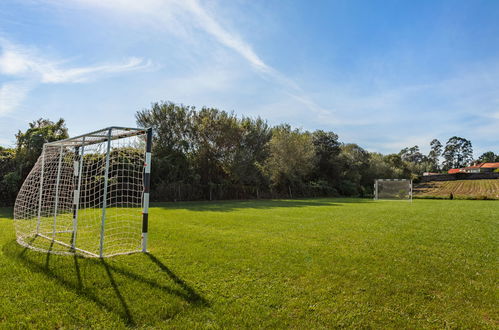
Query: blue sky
{"points": [[383, 74]]}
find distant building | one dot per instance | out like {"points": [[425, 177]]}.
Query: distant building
{"points": [[477, 168], [489, 167], [472, 169]]}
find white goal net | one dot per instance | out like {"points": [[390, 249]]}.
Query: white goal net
{"points": [[393, 189], [88, 195]]}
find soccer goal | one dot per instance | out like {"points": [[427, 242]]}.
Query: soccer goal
{"points": [[88, 195], [393, 189]]}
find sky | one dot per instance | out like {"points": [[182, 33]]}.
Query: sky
{"points": [[382, 74]]}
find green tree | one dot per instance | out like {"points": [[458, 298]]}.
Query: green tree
{"points": [[15, 164], [172, 143], [488, 157], [458, 152], [398, 166], [291, 158], [9, 177], [415, 160], [412, 155], [29, 144], [206, 152], [217, 138], [434, 155], [327, 150], [251, 151], [354, 167]]}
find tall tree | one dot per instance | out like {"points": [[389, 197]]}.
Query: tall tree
{"points": [[434, 154], [415, 160], [412, 155], [458, 152]]}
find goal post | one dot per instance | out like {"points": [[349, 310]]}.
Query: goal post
{"points": [[88, 195], [395, 189]]}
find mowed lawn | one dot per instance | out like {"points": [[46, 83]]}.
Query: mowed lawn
{"points": [[284, 263]]}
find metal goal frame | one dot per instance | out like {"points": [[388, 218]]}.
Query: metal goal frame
{"points": [[50, 199], [378, 183]]}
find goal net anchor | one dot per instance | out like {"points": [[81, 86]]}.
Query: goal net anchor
{"points": [[395, 189], [88, 195]]}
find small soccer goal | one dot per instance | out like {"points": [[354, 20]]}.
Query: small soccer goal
{"points": [[88, 195], [400, 189]]}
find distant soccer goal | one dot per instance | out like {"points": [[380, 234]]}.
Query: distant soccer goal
{"points": [[88, 195], [393, 189]]}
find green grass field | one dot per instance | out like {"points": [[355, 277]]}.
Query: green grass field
{"points": [[285, 263]]}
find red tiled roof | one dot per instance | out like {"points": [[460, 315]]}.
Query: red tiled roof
{"points": [[454, 170], [490, 165]]}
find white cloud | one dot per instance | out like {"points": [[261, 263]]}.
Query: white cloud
{"points": [[23, 62], [83, 74], [369, 108], [225, 37], [28, 67], [231, 40], [495, 115], [183, 17], [12, 95]]}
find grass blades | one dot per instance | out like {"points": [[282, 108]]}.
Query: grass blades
{"points": [[274, 263]]}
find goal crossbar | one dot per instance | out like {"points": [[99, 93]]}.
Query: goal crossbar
{"points": [[98, 136]]}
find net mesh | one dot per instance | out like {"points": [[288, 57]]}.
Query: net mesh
{"points": [[80, 198], [393, 189]]}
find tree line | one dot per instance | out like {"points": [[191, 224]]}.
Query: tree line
{"points": [[207, 154]]}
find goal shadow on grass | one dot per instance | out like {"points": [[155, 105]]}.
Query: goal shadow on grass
{"points": [[140, 289], [232, 205]]}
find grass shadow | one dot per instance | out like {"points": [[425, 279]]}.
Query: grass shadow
{"points": [[232, 205], [7, 213], [191, 295], [110, 285]]}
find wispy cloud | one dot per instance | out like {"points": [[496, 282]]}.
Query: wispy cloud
{"points": [[189, 15], [28, 68], [12, 95], [228, 38], [381, 102], [394, 116], [232, 40]]}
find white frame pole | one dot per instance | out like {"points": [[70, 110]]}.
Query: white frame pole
{"points": [[104, 197], [147, 184], [410, 182], [57, 192], [76, 196], [41, 193]]}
